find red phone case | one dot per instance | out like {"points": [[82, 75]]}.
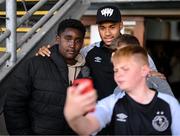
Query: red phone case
{"points": [[88, 88], [89, 82]]}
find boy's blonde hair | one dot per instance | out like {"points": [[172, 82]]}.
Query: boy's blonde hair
{"points": [[136, 51]]}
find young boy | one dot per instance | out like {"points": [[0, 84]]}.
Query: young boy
{"points": [[137, 110], [154, 82], [37, 89]]}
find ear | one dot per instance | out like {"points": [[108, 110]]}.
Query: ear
{"points": [[145, 70], [121, 25], [57, 38]]}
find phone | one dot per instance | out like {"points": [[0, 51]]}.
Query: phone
{"points": [[88, 88], [88, 81]]}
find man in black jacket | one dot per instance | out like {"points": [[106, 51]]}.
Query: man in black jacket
{"points": [[37, 91]]}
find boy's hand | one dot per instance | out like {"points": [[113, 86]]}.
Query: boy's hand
{"points": [[156, 74], [44, 51], [78, 104]]}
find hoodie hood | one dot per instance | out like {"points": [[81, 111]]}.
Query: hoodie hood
{"points": [[80, 61], [74, 70]]}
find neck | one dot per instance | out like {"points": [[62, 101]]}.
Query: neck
{"points": [[142, 94], [71, 62]]}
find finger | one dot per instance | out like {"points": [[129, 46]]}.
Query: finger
{"points": [[48, 46], [71, 90], [89, 98], [42, 54], [82, 87], [46, 51], [90, 104], [154, 73], [90, 108], [163, 77]]}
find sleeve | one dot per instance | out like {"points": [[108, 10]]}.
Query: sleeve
{"points": [[175, 112], [156, 83], [85, 71], [104, 110], [84, 51], [151, 63], [18, 95], [160, 85]]}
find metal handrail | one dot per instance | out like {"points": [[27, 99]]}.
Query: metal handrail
{"points": [[40, 23], [12, 24], [30, 12], [5, 35], [1, 1], [5, 57]]}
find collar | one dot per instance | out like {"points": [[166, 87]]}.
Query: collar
{"points": [[102, 45], [59, 61]]}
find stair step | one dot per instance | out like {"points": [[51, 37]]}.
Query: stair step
{"points": [[21, 13], [2, 49], [28, 0], [21, 29], [34, 0]]}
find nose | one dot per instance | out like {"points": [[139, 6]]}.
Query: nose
{"points": [[119, 74], [71, 43], [107, 32]]}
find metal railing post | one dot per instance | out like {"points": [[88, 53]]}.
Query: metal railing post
{"points": [[11, 25], [31, 11]]}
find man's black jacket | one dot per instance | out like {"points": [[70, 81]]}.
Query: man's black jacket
{"points": [[36, 96]]}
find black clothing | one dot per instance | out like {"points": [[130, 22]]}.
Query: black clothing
{"points": [[98, 59], [132, 118], [36, 96]]}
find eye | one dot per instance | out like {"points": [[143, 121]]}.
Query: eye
{"points": [[125, 69], [78, 41], [67, 38], [112, 26], [101, 28], [115, 70]]}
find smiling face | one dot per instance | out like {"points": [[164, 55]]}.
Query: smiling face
{"points": [[70, 42], [109, 31]]}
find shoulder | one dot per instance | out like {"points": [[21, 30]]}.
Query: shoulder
{"points": [[36, 63], [159, 84], [113, 98], [172, 101], [84, 51], [27, 67], [38, 60], [151, 63]]}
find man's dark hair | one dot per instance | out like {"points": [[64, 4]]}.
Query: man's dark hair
{"points": [[125, 39], [71, 23]]}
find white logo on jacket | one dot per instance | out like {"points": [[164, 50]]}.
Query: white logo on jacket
{"points": [[107, 12], [97, 59], [121, 117], [160, 122]]}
